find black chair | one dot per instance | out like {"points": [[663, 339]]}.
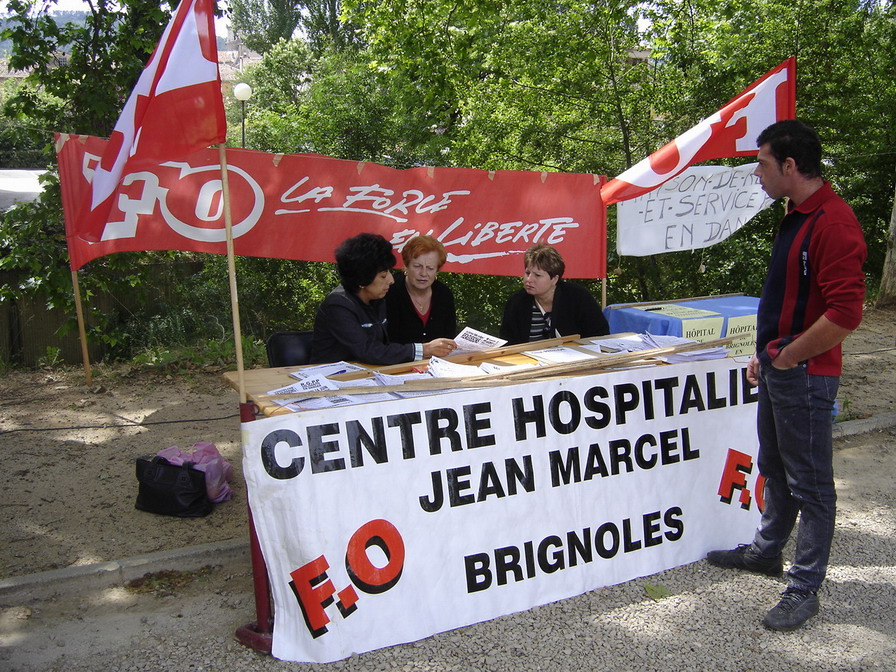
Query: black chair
{"points": [[289, 348]]}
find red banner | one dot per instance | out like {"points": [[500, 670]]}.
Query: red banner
{"points": [[303, 206]]}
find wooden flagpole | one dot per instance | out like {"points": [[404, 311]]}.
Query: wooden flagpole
{"points": [[257, 635], [82, 330], [231, 272]]}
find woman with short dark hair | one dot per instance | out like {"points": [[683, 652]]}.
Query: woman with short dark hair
{"points": [[419, 306], [547, 306], [351, 321]]}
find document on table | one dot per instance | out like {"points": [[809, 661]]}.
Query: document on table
{"points": [[316, 403], [664, 341], [301, 389], [307, 385], [471, 340], [631, 343], [439, 368], [318, 383], [696, 355], [333, 369], [558, 355], [398, 379], [401, 379], [365, 397], [658, 341], [493, 369]]}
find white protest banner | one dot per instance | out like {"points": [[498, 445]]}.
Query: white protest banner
{"points": [[702, 206], [386, 523]]}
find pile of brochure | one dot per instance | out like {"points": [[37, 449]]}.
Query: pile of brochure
{"points": [[639, 342], [300, 396]]}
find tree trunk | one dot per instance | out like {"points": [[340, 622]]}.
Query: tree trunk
{"points": [[887, 294]]}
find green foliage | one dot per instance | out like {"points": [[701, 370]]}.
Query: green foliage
{"points": [[846, 82], [34, 256], [61, 93], [325, 26], [564, 85], [52, 359], [22, 143], [480, 298], [278, 85], [263, 23], [275, 294], [213, 352], [116, 39]]}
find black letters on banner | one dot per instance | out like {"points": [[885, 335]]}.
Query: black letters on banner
{"points": [[551, 554], [456, 482], [356, 443]]}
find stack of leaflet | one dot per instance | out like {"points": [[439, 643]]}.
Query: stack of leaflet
{"points": [[657, 341], [439, 368], [559, 354], [639, 342], [612, 346], [495, 369], [304, 395], [312, 379], [314, 388], [401, 379]]}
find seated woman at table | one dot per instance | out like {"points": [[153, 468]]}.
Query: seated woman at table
{"points": [[351, 321], [419, 306], [547, 306]]}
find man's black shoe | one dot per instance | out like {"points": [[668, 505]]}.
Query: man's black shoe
{"points": [[744, 557], [795, 608]]}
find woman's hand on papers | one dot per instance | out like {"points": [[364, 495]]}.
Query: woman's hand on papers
{"points": [[439, 347]]}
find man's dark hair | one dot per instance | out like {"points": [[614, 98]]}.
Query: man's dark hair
{"points": [[792, 138], [360, 258]]}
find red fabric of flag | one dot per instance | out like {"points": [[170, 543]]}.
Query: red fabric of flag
{"points": [[732, 131], [176, 108]]}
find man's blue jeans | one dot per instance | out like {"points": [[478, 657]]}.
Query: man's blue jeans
{"points": [[796, 457]]}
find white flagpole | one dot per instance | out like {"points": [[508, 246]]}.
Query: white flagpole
{"points": [[231, 272]]}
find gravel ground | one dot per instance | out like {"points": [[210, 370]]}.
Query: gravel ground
{"points": [[57, 516], [710, 620]]}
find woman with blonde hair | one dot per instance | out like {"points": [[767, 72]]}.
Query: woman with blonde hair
{"points": [[419, 307]]}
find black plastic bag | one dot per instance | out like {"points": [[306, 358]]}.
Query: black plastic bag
{"points": [[171, 490]]}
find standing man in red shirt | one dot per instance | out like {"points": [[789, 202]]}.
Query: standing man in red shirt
{"points": [[811, 301]]}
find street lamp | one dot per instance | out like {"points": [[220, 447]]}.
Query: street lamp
{"points": [[242, 92]]}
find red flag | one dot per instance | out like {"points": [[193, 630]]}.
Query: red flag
{"points": [[732, 131], [175, 109]]}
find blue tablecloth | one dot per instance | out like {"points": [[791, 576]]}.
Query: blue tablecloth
{"points": [[635, 318]]}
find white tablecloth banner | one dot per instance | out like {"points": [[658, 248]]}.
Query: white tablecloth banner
{"points": [[386, 523]]}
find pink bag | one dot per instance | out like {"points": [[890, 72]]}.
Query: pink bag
{"points": [[205, 457]]}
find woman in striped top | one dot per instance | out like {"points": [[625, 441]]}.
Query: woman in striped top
{"points": [[547, 306]]}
